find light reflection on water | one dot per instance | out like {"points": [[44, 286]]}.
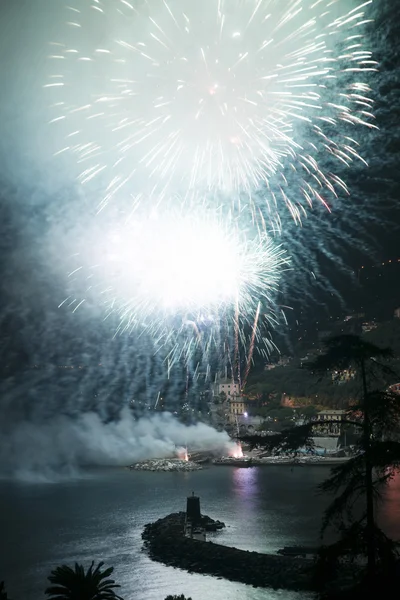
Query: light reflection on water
{"points": [[101, 517], [245, 482]]}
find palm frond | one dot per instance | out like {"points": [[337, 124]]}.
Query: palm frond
{"points": [[76, 584]]}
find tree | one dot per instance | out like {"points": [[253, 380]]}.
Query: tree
{"points": [[222, 397], [356, 486], [350, 351], [76, 584], [308, 411], [181, 597], [359, 480]]}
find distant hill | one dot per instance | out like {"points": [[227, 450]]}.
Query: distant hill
{"points": [[296, 381]]}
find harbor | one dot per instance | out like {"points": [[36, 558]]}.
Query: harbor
{"points": [[237, 458]]}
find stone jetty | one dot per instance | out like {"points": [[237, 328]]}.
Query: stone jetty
{"points": [[165, 542]]}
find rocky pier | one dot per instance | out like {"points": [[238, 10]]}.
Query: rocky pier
{"points": [[165, 542]]}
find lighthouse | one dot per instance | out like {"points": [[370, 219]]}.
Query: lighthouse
{"points": [[193, 522]]}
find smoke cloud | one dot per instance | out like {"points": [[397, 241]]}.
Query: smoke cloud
{"points": [[56, 449]]}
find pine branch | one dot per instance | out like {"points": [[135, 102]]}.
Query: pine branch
{"points": [[342, 504], [343, 474], [287, 441]]}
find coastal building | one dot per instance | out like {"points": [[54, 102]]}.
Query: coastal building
{"points": [[228, 387], [238, 410], [238, 406], [329, 421]]}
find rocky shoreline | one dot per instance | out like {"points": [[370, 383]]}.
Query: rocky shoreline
{"points": [[164, 541], [166, 464]]}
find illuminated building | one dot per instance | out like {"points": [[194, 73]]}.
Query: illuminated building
{"points": [[330, 419], [228, 387]]}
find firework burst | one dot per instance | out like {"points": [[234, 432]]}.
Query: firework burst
{"points": [[227, 95], [192, 281]]}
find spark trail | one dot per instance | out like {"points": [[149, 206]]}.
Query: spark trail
{"points": [[252, 342]]}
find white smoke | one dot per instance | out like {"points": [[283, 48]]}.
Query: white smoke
{"points": [[58, 448]]}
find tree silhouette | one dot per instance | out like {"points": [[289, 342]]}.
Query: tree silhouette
{"points": [[76, 584], [357, 482], [350, 351]]}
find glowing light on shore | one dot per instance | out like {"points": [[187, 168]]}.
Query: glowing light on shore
{"points": [[236, 451], [183, 454]]}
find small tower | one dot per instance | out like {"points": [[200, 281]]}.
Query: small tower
{"points": [[193, 509], [193, 527]]}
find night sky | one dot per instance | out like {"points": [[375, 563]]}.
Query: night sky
{"points": [[37, 198]]}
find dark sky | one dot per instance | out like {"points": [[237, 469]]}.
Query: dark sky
{"points": [[35, 196]]}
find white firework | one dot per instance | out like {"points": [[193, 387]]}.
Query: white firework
{"points": [[164, 96], [189, 280]]}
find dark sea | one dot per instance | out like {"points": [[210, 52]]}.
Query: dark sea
{"points": [[100, 515]]}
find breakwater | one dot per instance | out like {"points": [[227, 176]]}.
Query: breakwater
{"points": [[165, 542]]}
